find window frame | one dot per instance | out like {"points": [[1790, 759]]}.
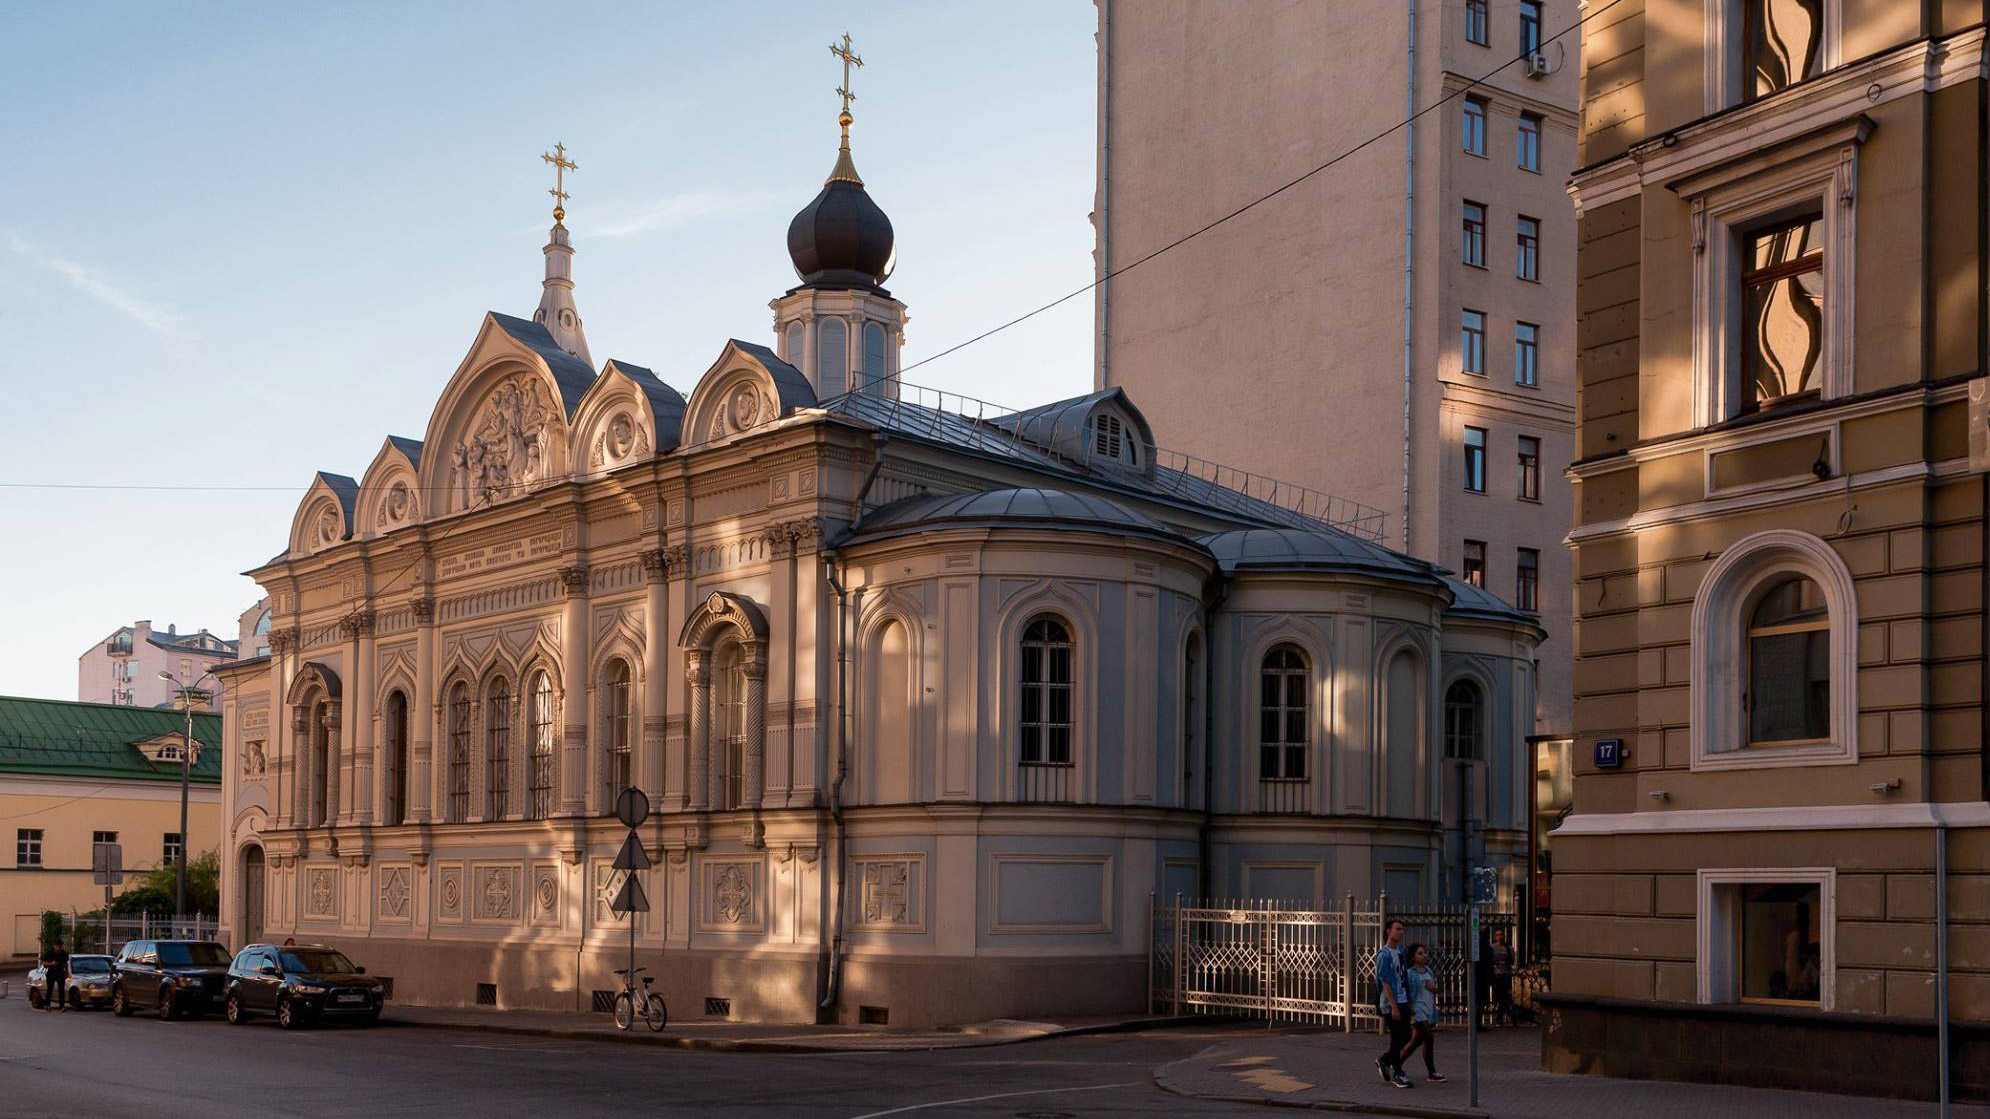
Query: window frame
{"points": [[542, 750], [462, 712], [1472, 341], [1533, 21], [1472, 248], [1475, 457], [167, 843], [1474, 114], [497, 748], [1527, 373], [1527, 143], [1527, 248], [1725, 48], [1528, 459], [1750, 632], [617, 750], [1479, 18], [1470, 572], [1286, 753], [1717, 925], [28, 846], [1477, 739], [1527, 579], [1036, 715], [1750, 280]]}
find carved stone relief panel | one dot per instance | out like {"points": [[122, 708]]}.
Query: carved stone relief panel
{"points": [[494, 892], [510, 449], [732, 898], [396, 885], [545, 894], [603, 880], [449, 892], [321, 892], [890, 892]]}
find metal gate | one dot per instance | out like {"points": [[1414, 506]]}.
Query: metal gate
{"points": [[1270, 960]]}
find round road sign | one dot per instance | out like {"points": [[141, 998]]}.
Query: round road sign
{"points": [[632, 807]]}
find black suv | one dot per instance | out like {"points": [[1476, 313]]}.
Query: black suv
{"points": [[174, 977], [299, 983]]}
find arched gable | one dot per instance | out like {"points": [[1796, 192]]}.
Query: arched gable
{"points": [[627, 417], [502, 425], [722, 609], [313, 675], [747, 387], [624, 640], [390, 490], [325, 517]]}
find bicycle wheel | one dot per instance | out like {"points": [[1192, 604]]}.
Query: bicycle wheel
{"points": [[656, 1012], [625, 1010]]}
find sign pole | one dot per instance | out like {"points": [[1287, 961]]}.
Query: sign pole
{"points": [[107, 919], [1472, 1005]]}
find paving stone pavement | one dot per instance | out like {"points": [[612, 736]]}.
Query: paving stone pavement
{"points": [[1336, 1071]]}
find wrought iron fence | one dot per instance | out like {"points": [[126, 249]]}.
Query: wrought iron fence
{"points": [[1283, 963], [86, 933]]}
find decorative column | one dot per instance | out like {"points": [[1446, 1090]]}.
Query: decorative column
{"points": [[753, 779], [300, 770], [421, 717], [648, 770], [334, 716], [700, 678], [573, 649], [358, 796], [281, 751]]}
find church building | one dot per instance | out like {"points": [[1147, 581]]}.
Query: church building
{"points": [[928, 700]]}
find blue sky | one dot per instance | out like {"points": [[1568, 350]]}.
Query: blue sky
{"points": [[243, 242]]}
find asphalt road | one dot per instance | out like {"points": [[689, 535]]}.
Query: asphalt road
{"points": [[90, 1065]]}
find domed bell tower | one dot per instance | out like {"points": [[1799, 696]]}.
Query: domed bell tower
{"points": [[839, 326]]}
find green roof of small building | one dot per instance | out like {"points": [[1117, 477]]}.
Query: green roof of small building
{"points": [[64, 738]]}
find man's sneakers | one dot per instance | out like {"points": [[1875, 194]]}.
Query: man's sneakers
{"points": [[1437, 1078], [1402, 1081], [1382, 1066]]}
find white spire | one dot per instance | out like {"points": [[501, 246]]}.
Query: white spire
{"points": [[557, 312]]}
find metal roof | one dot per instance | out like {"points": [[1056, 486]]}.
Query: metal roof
{"points": [[62, 738], [1021, 506], [1288, 549], [574, 376]]}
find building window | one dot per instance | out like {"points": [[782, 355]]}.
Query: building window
{"points": [[27, 847], [1527, 143], [1476, 22], [1111, 441], [1782, 42], [1782, 289], [459, 754], [615, 732], [1788, 696], [1473, 570], [1474, 134], [173, 848], [1474, 251], [1464, 722], [1768, 936], [832, 357], [729, 724], [1527, 248], [1530, 468], [1475, 460], [1046, 695], [1526, 355], [497, 750], [1472, 342], [540, 728], [101, 839], [874, 355], [794, 355], [1527, 580], [394, 811], [1282, 721], [1530, 27]]}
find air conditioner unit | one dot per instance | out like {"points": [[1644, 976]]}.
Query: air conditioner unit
{"points": [[1537, 66]]}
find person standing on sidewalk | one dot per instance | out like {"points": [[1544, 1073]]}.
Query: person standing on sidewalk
{"points": [[1423, 1023], [1502, 979], [55, 977], [1393, 1002]]}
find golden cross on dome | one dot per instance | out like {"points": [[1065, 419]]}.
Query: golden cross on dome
{"points": [[849, 60], [561, 165]]}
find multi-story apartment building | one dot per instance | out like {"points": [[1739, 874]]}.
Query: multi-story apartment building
{"points": [[1778, 867], [124, 667], [1398, 329]]}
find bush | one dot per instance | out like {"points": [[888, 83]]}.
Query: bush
{"points": [[153, 893], [51, 928]]}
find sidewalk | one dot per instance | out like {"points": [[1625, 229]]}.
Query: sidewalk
{"points": [[1336, 1071], [748, 1037]]}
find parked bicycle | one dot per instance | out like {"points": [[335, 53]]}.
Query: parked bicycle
{"points": [[631, 1004]]}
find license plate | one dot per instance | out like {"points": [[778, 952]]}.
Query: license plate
{"points": [[352, 998]]}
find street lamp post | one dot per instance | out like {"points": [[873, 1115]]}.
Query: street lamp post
{"points": [[186, 774]]}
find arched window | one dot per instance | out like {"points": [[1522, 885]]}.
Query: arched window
{"points": [[497, 750], [1282, 715], [1192, 716], [394, 805], [540, 738], [1464, 721], [1046, 712], [615, 771], [321, 764], [793, 351], [832, 358], [1788, 652], [459, 753], [729, 723], [874, 370], [1112, 441]]}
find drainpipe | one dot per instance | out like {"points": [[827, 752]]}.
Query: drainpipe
{"points": [[833, 988], [1105, 195], [1942, 951], [1409, 260], [1212, 601]]}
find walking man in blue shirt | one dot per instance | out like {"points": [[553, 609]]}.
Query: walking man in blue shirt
{"points": [[1393, 1000]]}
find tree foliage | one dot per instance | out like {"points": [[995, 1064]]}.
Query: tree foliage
{"points": [[153, 893]]}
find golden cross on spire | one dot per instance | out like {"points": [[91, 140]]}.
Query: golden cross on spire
{"points": [[849, 60], [561, 165]]}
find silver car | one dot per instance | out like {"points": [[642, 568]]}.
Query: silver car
{"points": [[89, 983]]}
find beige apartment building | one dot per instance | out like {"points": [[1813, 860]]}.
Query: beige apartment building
{"points": [[1397, 330], [1780, 847]]}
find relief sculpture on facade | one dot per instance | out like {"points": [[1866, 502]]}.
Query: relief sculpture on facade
{"points": [[508, 450]]}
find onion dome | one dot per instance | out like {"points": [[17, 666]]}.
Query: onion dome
{"points": [[842, 239]]}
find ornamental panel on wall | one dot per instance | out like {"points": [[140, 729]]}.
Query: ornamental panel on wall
{"points": [[321, 892], [394, 884], [1046, 893], [495, 893], [603, 880], [449, 892], [546, 894], [732, 895], [891, 893]]}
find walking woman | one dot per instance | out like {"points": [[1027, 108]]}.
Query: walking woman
{"points": [[1423, 1025]]}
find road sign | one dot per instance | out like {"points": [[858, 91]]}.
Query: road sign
{"points": [[632, 807], [630, 898], [632, 856], [107, 864]]}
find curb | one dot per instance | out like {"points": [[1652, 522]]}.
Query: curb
{"points": [[753, 1045]]}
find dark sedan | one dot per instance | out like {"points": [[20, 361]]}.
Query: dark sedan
{"points": [[173, 977], [301, 983]]}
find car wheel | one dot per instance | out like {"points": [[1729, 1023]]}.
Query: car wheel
{"points": [[120, 1003], [234, 1010], [167, 1011], [287, 1016]]}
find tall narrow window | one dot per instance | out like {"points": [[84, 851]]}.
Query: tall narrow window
{"points": [[1476, 22], [1473, 251], [459, 754], [1046, 693], [1282, 721], [1475, 460], [394, 806], [729, 723], [1526, 355], [1464, 719], [321, 765], [1473, 570], [1782, 289], [497, 750], [794, 355], [1527, 248], [173, 848], [1530, 468], [615, 770], [1530, 27], [1474, 131], [540, 736], [1191, 712], [1783, 43], [1472, 342], [874, 353], [1789, 665], [832, 358], [1527, 143], [1527, 580]]}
